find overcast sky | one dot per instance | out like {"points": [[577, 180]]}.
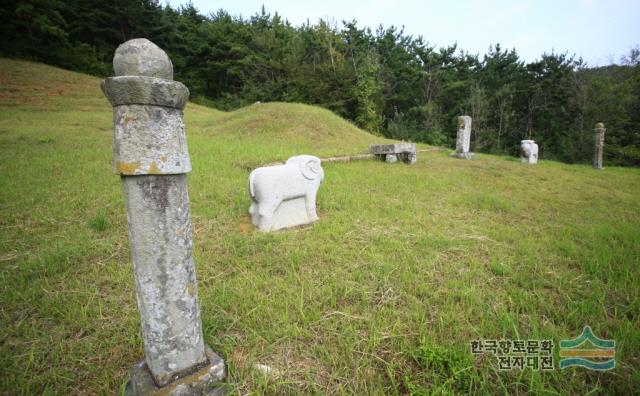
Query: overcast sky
{"points": [[598, 30]]}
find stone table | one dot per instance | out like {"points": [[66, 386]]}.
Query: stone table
{"points": [[406, 152]]}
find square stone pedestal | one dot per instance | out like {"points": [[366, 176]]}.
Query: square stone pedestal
{"points": [[291, 213], [468, 155], [206, 381]]}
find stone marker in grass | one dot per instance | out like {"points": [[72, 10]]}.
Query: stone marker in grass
{"points": [[463, 139], [150, 154], [599, 145], [529, 154]]}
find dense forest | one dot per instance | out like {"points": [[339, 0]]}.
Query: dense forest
{"points": [[385, 81]]}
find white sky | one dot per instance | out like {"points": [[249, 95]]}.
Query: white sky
{"points": [[600, 31]]}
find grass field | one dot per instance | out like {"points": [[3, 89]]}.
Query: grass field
{"points": [[383, 295]]}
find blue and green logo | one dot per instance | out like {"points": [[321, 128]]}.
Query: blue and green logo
{"points": [[576, 352]]}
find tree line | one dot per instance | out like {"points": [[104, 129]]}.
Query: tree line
{"points": [[384, 80]]}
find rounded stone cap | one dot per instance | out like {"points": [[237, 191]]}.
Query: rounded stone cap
{"points": [[599, 125], [141, 57]]}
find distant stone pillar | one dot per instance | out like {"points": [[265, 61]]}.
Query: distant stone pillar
{"points": [[150, 154], [529, 153], [599, 145], [463, 138]]}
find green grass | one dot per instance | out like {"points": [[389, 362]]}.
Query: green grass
{"points": [[407, 265]]}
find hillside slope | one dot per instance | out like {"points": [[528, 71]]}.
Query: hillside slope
{"points": [[30, 86], [383, 295]]}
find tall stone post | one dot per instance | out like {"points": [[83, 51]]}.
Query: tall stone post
{"points": [[599, 145], [463, 139], [529, 153], [150, 154]]}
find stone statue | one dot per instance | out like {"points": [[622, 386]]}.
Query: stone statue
{"points": [[529, 152], [285, 195]]}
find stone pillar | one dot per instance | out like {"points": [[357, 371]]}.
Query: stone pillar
{"points": [[463, 138], [150, 154], [599, 145], [529, 153]]}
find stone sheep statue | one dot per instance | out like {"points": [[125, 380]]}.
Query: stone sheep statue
{"points": [[529, 152], [285, 195]]}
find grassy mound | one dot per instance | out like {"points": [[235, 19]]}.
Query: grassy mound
{"points": [[383, 295]]}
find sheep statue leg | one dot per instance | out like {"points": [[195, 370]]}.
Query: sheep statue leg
{"points": [[310, 203], [266, 210]]}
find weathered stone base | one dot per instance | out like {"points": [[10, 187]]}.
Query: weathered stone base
{"points": [[467, 155], [290, 213], [407, 158], [204, 382], [410, 158], [530, 161]]}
